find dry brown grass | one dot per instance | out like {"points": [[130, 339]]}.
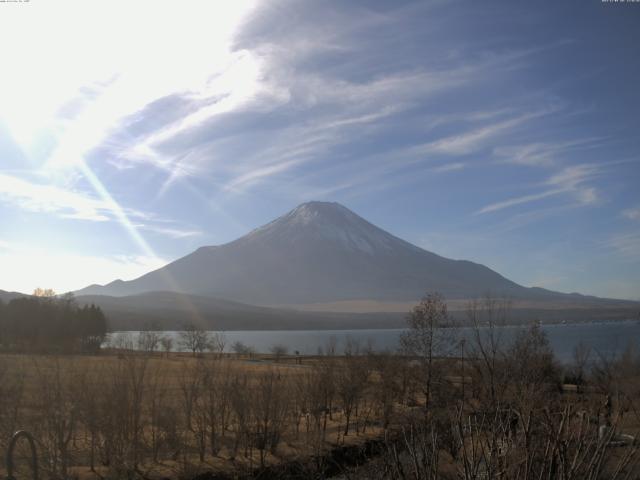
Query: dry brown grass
{"points": [[45, 389], [73, 377]]}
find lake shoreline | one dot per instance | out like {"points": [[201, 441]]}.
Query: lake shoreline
{"points": [[604, 338]]}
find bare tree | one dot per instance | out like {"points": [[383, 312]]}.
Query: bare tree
{"points": [[121, 413], [325, 374], [430, 335], [488, 317], [313, 395], [88, 411], [148, 341], [156, 404], [578, 369], [240, 349], [216, 378], [44, 292], [12, 382], [413, 454], [388, 389], [135, 372], [121, 341], [57, 414], [270, 407], [351, 382], [193, 408], [167, 344], [240, 403], [279, 351], [194, 338], [217, 343], [534, 379]]}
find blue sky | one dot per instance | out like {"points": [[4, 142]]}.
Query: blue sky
{"points": [[506, 133]]}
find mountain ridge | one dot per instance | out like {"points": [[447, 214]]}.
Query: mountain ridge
{"points": [[6, 296], [172, 311], [320, 252]]}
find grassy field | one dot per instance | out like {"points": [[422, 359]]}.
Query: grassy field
{"points": [[168, 415], [133, 415]]}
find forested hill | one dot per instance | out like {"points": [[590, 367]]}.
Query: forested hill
{"points": [[51, 324]]}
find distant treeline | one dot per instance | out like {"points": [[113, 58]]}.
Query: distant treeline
{"points": [[52, 324]]}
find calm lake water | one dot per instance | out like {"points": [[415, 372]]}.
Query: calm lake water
{"points": [[606, 338]]}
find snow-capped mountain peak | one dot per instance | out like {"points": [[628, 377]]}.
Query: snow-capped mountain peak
{"points": [[319, 252], [327, 222]]}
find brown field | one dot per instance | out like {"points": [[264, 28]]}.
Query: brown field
{"points": [[497, 412], [60, 398]]}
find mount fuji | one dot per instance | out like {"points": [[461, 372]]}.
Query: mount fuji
{"points": [[321, 252]]}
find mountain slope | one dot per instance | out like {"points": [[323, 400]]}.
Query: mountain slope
{"points": [[171, 311], [6, 297], [319, 252]]}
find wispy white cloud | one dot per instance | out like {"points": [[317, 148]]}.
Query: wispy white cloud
{"points": [[535, 154], [51, 199], [170, 232], [464, 118], [327, 106], [569, 180], [296, 146], [631, 213], [342, 105], [470, 141], [571, 176], [258, 174], [362, 119], [236, 85], [523, 219], [450, 167], [541, 154], [71, 204], [626, 244], [519, 200], [574, 180]]}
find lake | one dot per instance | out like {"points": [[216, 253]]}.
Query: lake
{"points": [[606, 338]]}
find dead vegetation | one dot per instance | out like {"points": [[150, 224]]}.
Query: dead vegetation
{"points": [[487, 410]]}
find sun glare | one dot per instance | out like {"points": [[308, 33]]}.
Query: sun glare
{"points": [[61, 97], [85, 76], [65, 271]]}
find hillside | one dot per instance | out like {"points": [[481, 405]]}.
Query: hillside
{"points": [[171, 311], [8, 296], [322, 252]]}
